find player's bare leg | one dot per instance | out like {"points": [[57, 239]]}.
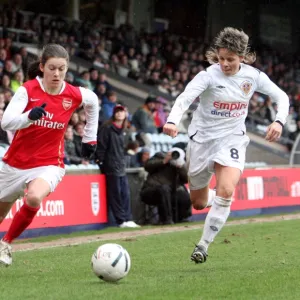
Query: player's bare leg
{"points": [[227, 179], [38, 189]]}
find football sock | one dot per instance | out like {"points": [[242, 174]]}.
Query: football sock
{"points": [[215, 220], [20, 222]]}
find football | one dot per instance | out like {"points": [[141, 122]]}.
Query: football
{"points": [[111, 262]]}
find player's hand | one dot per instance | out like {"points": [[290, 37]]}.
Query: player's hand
{"points": [[274, 132], [167, 158], [87, 150], [37, 112], [170, 129], [85, 162]]}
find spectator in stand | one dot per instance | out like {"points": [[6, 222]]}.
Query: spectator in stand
{"points": [[72, 156], [108, 105], [17, 62], [84, 80], [101, 91], [143, 156], [3, 55], [1, 69], [154, 79], [17, 80], [268, 111], [8, 94], [94, 77], [131, 156], [160, 116], [143, 119], [78, 135], [110, 156], [24, 54], [8, 68], [6, 82], [103, 80]]}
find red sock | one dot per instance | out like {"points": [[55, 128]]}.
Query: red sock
{"points": [[20, 222]]}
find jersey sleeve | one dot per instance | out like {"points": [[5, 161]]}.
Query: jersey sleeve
{"points": [[267, 87], [13, 117], [194, 89], [91, 107]]}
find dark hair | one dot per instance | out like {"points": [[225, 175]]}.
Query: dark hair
{"points": [[112, 119], [133, 145], [49, 51], [111, 93]]}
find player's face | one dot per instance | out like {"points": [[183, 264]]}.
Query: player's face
{"points": [[229, 61], [54, 70]]}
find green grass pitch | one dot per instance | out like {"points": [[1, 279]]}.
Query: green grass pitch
{"points": [[253, 261]]}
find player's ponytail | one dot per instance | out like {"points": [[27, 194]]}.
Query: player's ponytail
{"points": [[34, 70]]}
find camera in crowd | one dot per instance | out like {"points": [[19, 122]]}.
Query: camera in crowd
{"points": [[178, 157]]}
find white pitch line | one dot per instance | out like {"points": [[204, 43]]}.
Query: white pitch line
{"points": [[75, 241]]}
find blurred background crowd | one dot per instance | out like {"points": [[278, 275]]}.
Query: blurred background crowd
{"points": [[162, 60]]}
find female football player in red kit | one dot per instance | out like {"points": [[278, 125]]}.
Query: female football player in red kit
{"points": [[39, 113]]}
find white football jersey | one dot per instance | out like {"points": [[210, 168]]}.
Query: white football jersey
{"points": [[224, 101]]}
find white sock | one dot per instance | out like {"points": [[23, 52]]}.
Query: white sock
{"points": [[211, 197], [215, 220]]}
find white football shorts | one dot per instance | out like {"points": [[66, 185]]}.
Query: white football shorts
{"points": [[229, 151], [13, 181]]}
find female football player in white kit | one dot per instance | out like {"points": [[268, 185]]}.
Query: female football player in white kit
{"points": [[39, 112], [217, 132]]}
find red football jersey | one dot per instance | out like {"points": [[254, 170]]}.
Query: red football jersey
{"points": [[42, 143]]}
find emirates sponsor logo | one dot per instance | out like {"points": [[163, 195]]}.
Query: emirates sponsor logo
{"points": [[49, 124], [67, 103]]}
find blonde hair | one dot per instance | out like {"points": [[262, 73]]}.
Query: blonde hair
{"points": [[233, 40]]}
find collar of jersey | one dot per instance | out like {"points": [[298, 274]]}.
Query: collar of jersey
{"points": [[39, 79]]}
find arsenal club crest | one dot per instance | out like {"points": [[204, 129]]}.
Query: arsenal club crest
{"points": [[67, 103], [246, 87]]}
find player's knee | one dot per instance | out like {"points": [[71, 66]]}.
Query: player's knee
{"points": [[33, 199], [225, 192], [198, 199], [197, 203]]}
